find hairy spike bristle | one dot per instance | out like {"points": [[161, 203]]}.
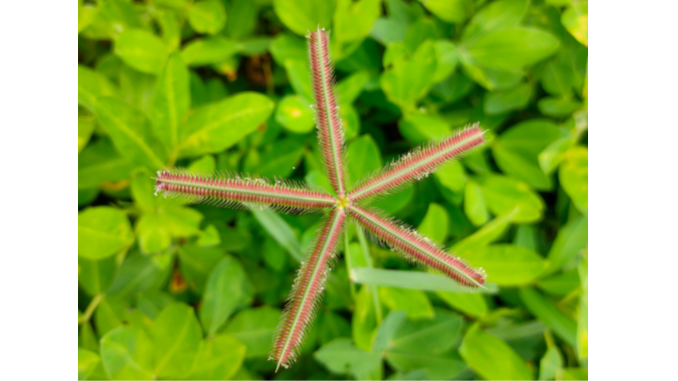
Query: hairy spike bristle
{"points": [[232, 190], [413, 245], [330, 132], [417, 164], [308, 286]]}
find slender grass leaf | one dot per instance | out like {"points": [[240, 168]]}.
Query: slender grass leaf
{"points": [[549, 314], [412, 280]]}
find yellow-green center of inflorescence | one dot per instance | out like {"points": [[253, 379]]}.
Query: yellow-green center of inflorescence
{"points": [[342, 202]]}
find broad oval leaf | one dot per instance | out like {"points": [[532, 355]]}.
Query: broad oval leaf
{"points": [[171, 102], [102, 232], [435, 223], [176, 338], [92, 85], [141, 50], [491, 357], [127, 354], [495, 15], [512, 48], [207, 16], [295, 115], [254, 327], [217, 126], [131, 133], [227, 289], [208, 50], [504, 194], [507, 265], [517, 150], [301, 16], [218, 359]]}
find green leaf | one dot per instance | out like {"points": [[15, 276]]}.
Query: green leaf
{"points": [[93, 85], [447, 58], [95, 275], [227, 290], [365, 318], [242, 19], [217, 126], [503, 194], [407, 82], [415, 280], [574, 177], [557, 107], [130, 131], [561, 284], [208, 50], [102, 232], [127, 354], [85, 16], [549, 314], [298, 74], [507, 265], [176, 337], [111, 313], [197, 262], [207, 16], [474, 204], [99, 163], [255, 327], [340, 356], [471, 304], [576, 20], [500, 102], [572, 374], [280, 159], [171, 102], [550, 363], [281, 232], [453, 88], [354, 19], [435, 223], [489, 78], [139, 273], [414, 302], [571, 239], [141, 50], [419, 128], [512, 48], [365, 158], [301, 16], [583, 313], [491, 357], [218, 359], [487, 234], [426, 344], [350, 87], [452, 11], [496, 15], [451, 176], [87, 362], [111, 18], [288, 47], [516, 151], [558, 79], [86, 125], [295, 115], [331, 326], [554, 153], [209, 236]]}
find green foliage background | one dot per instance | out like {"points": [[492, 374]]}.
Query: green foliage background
{"points": [[174, 291]]}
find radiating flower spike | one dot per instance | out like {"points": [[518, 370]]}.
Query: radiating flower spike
{"points": [[308, 287], [330, 131], [418, 163], [416, 247], [238, 191]]}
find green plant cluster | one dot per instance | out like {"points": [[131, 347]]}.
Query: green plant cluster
{"points": [[168, 290]]}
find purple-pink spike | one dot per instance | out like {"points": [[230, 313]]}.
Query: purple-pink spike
{"points": [[330, 133], [306, 292], [229, 191], [418, 163], [416, 247]]}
